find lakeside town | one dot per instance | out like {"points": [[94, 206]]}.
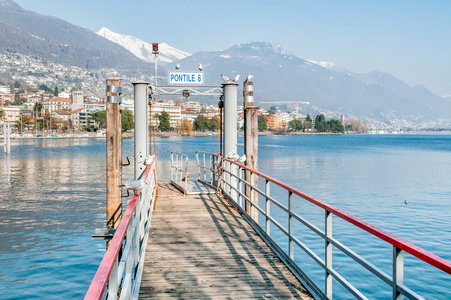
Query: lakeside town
{"points": [[42, 98]]}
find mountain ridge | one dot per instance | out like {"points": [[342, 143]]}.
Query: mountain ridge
{"points": [[377, 97], [59, 41], [142, 49]]}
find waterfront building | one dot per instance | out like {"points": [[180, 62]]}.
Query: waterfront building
{"points": [[63, 115], [26, 109], [6, 97], [56, 103], [94, 107], [77, 98], [128, 104], [175, 113], [32, 97], [5, 89], [11, 113], [191, 105], [75, 118], [272, 122]]}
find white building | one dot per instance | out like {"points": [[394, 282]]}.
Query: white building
{"points": [[64, 94], [174, 112], [77, 99], [56, 103], [128, 104], [5, 89], [11, 114]]}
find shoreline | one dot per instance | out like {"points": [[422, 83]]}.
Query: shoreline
{"points": [[129, 135], [156, 134]]}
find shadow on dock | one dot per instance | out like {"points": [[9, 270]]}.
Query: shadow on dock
{"points": [[200, 247]]}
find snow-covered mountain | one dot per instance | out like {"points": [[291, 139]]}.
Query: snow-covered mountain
{"points": [[142, 49], [279, 75]]}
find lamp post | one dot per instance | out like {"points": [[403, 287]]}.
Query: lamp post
{"points": [[155, 52]]}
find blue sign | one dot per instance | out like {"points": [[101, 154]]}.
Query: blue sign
{"points": [[186, 78]]}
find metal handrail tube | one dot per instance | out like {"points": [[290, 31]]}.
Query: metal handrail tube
{"points": [[110, 271], [285, 231], [416, 251], [397, 283], [346, 284]]}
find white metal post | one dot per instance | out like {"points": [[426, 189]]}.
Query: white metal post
{"points": [[141, 128], [328, 253], [398, 272], [267, 207], [290, 226], [230, 130], [8, 145]]}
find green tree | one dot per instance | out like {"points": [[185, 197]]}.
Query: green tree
{"points": [[164, 121], [17, 98], [262, 123], [37, 108], [55, 93], [213, 124], [271, 112], [308, 118], [45, 88], [321, 124], [201, 123], [307, 125], [100, 118], [295, 125], [336, 126], [17, 85], [128, 119]]}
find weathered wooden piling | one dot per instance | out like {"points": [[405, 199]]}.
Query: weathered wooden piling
{"points": [[113, 152], [250, 143]]}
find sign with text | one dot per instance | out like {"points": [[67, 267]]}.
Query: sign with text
{"points": [[186, 78]]}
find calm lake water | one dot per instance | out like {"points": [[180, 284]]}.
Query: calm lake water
{"points": [[52, 197]]}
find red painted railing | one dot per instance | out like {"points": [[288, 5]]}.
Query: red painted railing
{"points": [[102, 276], [416, 251], [232, 184]]}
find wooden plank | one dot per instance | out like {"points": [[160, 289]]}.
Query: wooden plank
{"points": [[200, 247]]}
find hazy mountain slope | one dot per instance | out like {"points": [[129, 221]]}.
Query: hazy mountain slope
{"points": [[143, 50], [281, 76], [59, 41]]}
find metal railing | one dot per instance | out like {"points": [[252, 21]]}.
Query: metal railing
{"points": [[235, 186], [119, 273], [179, 171]]}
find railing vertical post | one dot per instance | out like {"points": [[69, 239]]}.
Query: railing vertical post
{"points": [[172, 166], [205, 169], [290, 226], [240, 186], [113, 152], [212, 169], [129, 261], [398, 272], [254, 196], [328, 253], [112, 282], [267, 207]]}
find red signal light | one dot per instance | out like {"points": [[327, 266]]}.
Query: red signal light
{"points": [[155, 47]]}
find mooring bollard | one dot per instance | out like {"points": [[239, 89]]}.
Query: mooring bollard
{"points": [[250, 143], [113, 151]]}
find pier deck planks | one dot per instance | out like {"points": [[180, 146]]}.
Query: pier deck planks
{"points": [[201, 248]]}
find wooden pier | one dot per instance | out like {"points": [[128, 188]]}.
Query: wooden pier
{"points": [[200, 247]]}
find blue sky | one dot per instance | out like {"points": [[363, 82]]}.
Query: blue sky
{"points": [[408, 39]]}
